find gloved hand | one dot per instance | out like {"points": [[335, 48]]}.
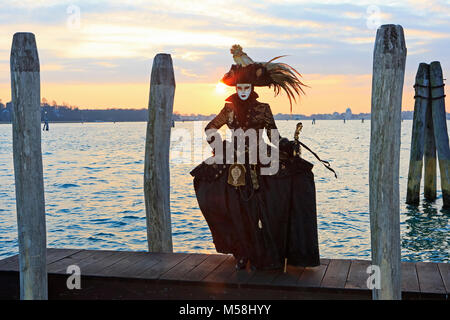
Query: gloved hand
{"points": [[289, 146]]}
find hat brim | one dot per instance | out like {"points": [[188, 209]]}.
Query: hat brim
{"points": [[255, 74]]}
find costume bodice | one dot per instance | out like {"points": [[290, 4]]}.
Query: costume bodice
{"points": [[257, 116]]}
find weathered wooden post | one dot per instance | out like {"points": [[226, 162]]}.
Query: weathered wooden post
{"points": [[418, 134], [429, 188], [387, 84], [440, 128], [29, 182], [156, 169]]}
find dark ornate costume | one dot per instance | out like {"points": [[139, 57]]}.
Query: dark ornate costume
{"points": [[266, 218]]}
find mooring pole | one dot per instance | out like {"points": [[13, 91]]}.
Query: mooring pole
{"points": [[418, 134], [440, 128], [29, 181], [156, 169], [387, 84], [429, 188]]}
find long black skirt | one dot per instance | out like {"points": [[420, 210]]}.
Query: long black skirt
{"points": [[278, 220]]}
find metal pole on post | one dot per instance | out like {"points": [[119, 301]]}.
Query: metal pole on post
{"points": [[418, 134], [156, 169], [387, 85], [28, 172], [440, 128]]}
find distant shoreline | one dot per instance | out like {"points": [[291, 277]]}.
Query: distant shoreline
{"points": [[67, 121], [7, 122]]}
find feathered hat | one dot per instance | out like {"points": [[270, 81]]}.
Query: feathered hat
{"points": [[260, 74]]}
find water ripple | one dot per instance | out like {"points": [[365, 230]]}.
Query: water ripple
{"points": [[93, 176]]}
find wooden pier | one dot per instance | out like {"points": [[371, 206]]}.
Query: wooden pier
{"points": [[191, 276]]}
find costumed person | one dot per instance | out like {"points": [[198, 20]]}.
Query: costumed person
{"points": [[264, 220]]}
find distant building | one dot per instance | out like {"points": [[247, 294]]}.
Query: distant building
{"points": [[348, 114]]}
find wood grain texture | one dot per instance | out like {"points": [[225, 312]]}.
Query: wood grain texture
{"points": [[143, 275], [384, 204], [180, 271], [429, 188], [290, 278], [98, 268], [223, 272], [336, 275], [24, 55], [357, 275], [312, 277], [263, 277], [440, 129], [53, 255], [410, 282], [201, 271], [444, 270], [157, 144], [430, 280], [131, 264], [418, 134], [10, 264], [80, 259], [167, 262], [141, 266], [28, 171]]}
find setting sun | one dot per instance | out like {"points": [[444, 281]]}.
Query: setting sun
{"points": [[221, 88]]}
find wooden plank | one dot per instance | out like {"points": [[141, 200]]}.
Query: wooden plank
{"points": [[97, 267], [312, 276], [240, 276], [357, 275], [146, 262], [223, 272], [444, 269], [220, 278], [180, 271], [430, 280], [201, 271], [336, 274], [54, 254], [167, 262], [264, 277], [290, 278], [60, 266], [81, 259], [325, 261], [129, 264], [10, 264], [410, 282], [7, 260]]}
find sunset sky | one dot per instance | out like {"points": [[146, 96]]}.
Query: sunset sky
{"points": [[98, 54]]}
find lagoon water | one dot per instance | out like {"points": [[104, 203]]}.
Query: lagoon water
{"points": [[93, 176]]}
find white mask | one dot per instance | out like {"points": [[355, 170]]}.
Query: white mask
{"points": [[243, 90]]}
